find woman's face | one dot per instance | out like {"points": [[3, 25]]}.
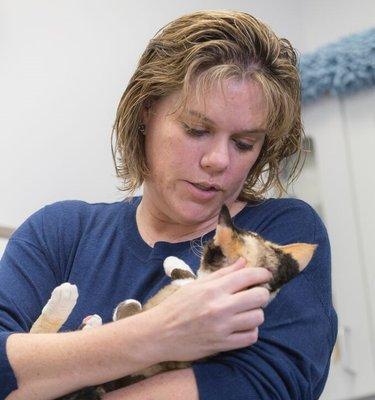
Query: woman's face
{"points": [[200, 159]]}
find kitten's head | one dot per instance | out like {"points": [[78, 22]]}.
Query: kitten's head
{"points": [[230, 243]]}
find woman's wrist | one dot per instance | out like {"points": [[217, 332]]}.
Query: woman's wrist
{"points": [[142, 340], [128, 345]]}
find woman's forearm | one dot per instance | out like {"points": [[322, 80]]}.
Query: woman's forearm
{"points": [[50, 365], [179, 384]]}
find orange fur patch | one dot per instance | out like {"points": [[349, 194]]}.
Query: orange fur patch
{"points": [[301, 252], [231, 247]]}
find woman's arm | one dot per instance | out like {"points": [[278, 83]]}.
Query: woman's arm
{"points": [[50, 365], [200, 319], [171, 385]]}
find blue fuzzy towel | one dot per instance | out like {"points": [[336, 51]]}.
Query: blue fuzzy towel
{"points": [[343, 67]]}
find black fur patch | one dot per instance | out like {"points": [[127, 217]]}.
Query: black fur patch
{"points": [[224, 217], [286, 270], [178, 273], [97, 392], [127, 310], [91, 393], [213, 257]]}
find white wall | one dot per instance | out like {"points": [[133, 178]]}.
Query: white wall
{"points": [[64, 65], [326, 21], [3, 243]]}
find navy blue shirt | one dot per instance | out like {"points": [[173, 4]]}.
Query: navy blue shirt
{"points": [[98, 248]]}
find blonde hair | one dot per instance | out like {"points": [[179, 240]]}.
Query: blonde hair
{"points": [[198, 50]]}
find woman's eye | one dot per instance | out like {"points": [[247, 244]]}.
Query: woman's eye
{"points": [[243, 146], [193, 131]]}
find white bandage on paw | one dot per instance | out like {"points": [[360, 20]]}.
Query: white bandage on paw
{"points": [[170, 263], [62, 301], [126, 308], [92, 321]]}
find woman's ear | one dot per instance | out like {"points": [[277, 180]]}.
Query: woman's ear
{"points": [[146, 111]]}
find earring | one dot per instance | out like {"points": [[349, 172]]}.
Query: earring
{"points": [[142, 129]]}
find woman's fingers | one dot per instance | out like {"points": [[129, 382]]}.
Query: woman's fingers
{"points": [[247, 321], [254, 298], [243, 278], [243, 330], [241, 339], [239, 264], [236, 277]]}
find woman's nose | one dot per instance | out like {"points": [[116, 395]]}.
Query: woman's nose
{"points": [[216, 157]]}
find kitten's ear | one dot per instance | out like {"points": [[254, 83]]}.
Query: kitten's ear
{"points": [[224, 229], [301, 252], [224, 217]]}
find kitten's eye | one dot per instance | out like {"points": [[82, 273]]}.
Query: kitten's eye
{"points": [[243, 146], [193, 131]]}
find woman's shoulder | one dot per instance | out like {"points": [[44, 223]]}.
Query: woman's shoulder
{"points": [[281, 218], [272, 208], [74, 216], [82, 209], [281, 204]]}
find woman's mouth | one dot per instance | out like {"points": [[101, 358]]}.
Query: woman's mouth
{"points": [[204, 187], [203, 191]]}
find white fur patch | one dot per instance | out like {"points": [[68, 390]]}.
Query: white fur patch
{"points": [[93, 321], [182, 282], [201, 273]]}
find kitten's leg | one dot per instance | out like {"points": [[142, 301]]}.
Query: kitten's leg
{"points": [[178, 271], [171, 263], [57, 310], [127, 308], [90, 393]]}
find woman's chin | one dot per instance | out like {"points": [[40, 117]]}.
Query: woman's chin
{"points": [[196, 214]]}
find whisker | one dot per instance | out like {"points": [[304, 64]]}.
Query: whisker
{"points": [[196, 247]]}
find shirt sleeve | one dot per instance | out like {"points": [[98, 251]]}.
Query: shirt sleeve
{"points": [[291, 358], [28, 274]]}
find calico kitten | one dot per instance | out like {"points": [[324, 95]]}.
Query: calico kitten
{"points": [[228, 244]]}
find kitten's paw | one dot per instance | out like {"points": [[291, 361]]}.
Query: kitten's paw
{"points": [[91, 321], [127, 308], [171, 263], [62, 301]]}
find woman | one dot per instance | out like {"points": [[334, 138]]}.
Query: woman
{"points": [[210, 113]]}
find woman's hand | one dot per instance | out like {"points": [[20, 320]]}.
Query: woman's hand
{"points": [[213, 314]]}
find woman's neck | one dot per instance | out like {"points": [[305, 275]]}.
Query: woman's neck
{"points": [[154, 226]]}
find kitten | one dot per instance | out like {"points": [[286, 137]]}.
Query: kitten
{"points": [[228, 244]]}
